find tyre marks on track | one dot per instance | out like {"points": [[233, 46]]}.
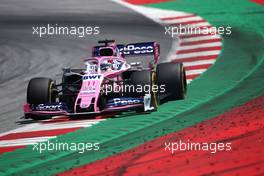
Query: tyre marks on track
{"points": [[197, 51]]}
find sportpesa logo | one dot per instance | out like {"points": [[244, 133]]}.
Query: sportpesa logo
{"points": [[124, 101], [49, 107], [132, 49]]}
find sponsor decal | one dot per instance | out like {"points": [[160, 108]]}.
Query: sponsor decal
{"points": [[50, 107], [90, 83], [135, 49], [117, 65], [89, 90], [91, 68], [92, 77], [124, 101]]}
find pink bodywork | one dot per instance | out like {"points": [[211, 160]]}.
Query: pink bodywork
{"points": [[91, 85]]}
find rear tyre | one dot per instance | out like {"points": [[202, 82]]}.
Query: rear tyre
{"points": [[40, 90], [173, 77]]}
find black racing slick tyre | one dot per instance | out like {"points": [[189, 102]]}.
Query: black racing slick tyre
{"points": [[40, 90], [145, 79], [140, 79], [173, 77]]}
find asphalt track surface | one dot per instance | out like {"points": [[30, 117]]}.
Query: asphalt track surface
{"points": [[24, 55]]}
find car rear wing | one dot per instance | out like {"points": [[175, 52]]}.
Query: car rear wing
{"points": [[140, 49], [128, 50]]}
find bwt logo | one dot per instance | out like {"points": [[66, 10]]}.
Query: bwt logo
{"points": [[92, 77], [132, 49]]}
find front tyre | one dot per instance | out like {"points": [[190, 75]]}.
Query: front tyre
{"points": [[145, 80], [40, 91], [173, 77]]}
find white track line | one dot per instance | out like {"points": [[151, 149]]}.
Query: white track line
{"points": [[202, 62], [51, 126], [189, 81], [204, 45], [182, 20], [196, 54], [40, 127], [193, 34], [195, 72], [193, 25], [24, 141], [195, 39], [152, 13]]}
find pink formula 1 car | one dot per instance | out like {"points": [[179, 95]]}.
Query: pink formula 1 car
{"points": [[116, 78]]}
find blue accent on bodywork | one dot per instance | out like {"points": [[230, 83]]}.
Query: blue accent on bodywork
{"points": [[146, 48], [116, 102], [60, 106]]}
